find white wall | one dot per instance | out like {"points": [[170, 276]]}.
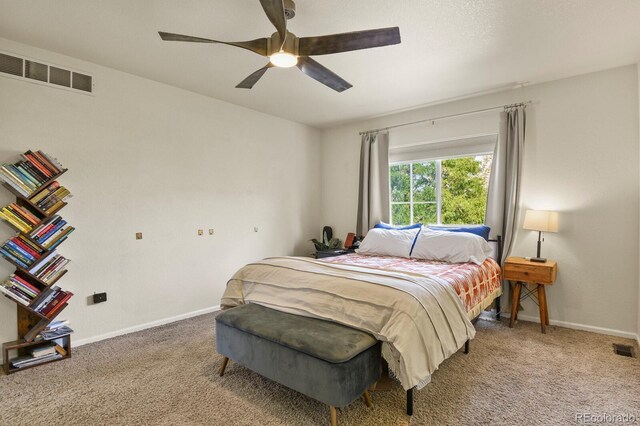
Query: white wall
{"points": [[638, 328], [146, 157], [581, 159]]}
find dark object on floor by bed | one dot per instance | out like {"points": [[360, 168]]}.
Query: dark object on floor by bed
{"points": [[329, 362]]}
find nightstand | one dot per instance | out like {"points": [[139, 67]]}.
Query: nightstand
{"points": [[540, 274]]}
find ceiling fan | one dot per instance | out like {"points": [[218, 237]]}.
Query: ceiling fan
{"points": [[285, 49]]}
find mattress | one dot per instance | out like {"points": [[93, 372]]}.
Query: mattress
{"points": [[476, 285]]}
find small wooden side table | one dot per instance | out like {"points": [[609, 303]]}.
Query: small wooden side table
{"points": [[521, 271]]}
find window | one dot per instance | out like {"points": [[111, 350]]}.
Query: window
{"points": [[447, 191]]}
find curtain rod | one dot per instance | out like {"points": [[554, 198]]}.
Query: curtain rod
{"points": [[523, 104]]}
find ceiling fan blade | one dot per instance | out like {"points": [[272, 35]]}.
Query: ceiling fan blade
{"points": [[258, 46], [249, 82], [322, 74], [275, 12], [345, 42]]}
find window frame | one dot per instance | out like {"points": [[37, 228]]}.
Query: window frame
{"points": [[438, 201]]}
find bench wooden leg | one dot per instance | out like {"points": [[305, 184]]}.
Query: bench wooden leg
{"points": [[334, 416], [225, 361], [410, 402], [367, 398]]}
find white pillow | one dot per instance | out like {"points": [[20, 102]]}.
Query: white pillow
{"points": [[452, 247], [388, 242]]}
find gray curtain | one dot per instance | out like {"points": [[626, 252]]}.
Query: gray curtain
{"points": [[503, 198], [373, 194], [504, 184]]}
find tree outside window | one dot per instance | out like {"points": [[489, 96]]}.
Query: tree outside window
{"points": [[451, 191]]}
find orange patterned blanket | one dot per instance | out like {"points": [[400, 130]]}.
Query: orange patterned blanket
{"points": [[476, 285]]}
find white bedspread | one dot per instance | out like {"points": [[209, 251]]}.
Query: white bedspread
{"points": [[420, 319]]}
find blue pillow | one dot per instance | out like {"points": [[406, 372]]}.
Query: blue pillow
{"points": [[481, 230], [397, 228]]}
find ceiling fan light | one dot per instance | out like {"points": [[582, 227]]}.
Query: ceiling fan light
{"points": [[284, 59]]}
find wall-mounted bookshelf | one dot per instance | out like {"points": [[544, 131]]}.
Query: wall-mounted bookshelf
{"points": [[33, 251]]}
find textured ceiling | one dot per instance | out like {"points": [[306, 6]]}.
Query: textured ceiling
{"points": [[450, 48]]}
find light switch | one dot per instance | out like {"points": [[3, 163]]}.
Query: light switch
{"points": [[200, 232], [138, 235], [211, 231]]}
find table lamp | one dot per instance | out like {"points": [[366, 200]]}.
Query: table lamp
{"points": [[541, 221]]}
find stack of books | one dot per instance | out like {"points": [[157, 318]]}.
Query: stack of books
{"points": [[28, 175], [21, 251], [50, 267], [51, 198], [19, 217], [20, 290], [56, 330], [38, 355], [51, 232], [50, 301]]}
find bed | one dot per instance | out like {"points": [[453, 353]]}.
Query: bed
{"points": [[421, 310]]}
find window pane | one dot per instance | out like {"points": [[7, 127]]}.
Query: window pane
{"points": [[400, 214], [399, 177], [424, 181], [425, 213], [464, 189]]}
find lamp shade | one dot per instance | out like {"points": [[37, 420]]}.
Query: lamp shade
{"points": [[541, 220]]}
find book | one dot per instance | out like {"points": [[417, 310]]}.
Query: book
{"points": [[14, 221], [54, 302], [59, 306], [13, 259], [28, 360], [40, 351], [14, 296], [45, 297], [7, 173], [57, 333], [43, 263]]}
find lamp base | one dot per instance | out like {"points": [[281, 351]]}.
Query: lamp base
{"points": [[538, 259]]}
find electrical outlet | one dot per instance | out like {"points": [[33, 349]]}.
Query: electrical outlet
{"points": [[211, 231], [200, 232], [138, 235], [99, 297]]}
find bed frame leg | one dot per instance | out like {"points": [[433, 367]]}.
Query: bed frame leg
{"points": [[410, 402], [225, 361], [498, 307], [466, 346]]}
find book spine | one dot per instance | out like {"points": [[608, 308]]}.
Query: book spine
{"points": [[13, 296], [59, 305], [53, 161], [34, 170], [16, 224], [44, 262], [45, 160], [9, 174], [52, 231], [22, 177], [25, 283], [26, 247], [13, 258], [17, 254], [16, 248], [33, 160]]}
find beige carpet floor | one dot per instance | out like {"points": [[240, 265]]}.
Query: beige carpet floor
{"points": [[168, 376]]}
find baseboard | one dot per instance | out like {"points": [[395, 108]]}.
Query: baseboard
{"points": [[575, 326], [145, 326]]}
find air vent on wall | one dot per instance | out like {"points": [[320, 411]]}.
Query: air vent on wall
{"points": [[31, 70]]}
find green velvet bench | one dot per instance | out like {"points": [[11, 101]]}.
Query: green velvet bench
{"points": [[326, 361]]}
